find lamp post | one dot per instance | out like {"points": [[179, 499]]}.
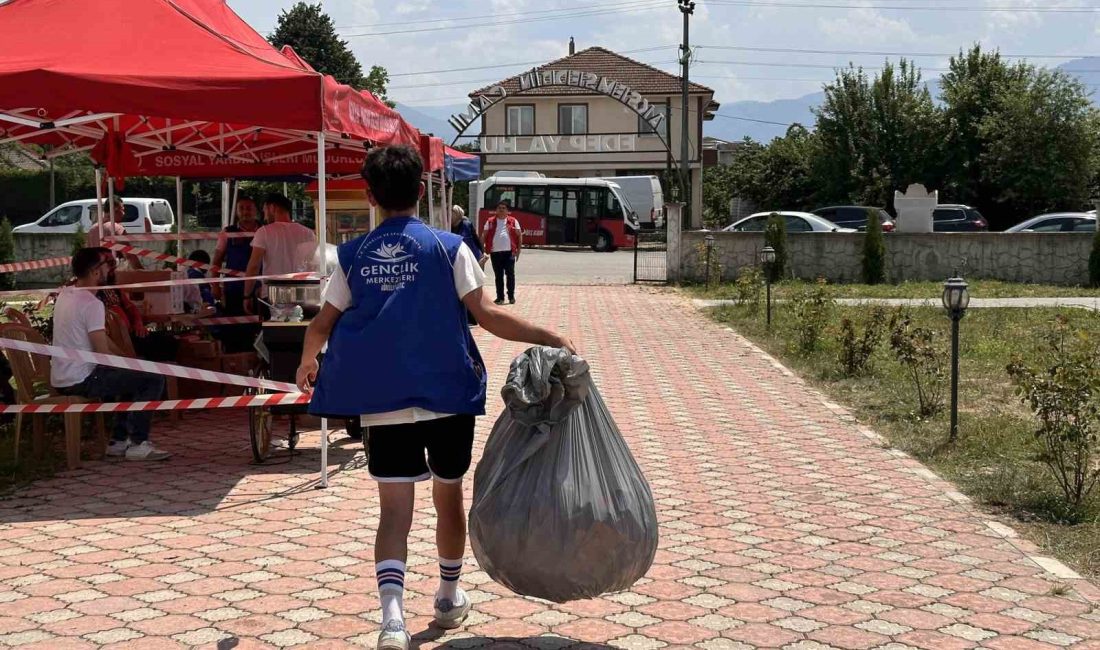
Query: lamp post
{"points": [[709, 240], [956, 298], [767, 258]]}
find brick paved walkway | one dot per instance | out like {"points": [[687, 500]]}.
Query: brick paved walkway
{"points": [[784, 524]]}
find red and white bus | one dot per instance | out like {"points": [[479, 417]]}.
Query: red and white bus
{"points": [[560, 211]]}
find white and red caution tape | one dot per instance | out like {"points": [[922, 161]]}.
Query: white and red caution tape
{"points": [[31, 265], [225, 320], [245, 401], [187, 236], [171, 259], [309, 275], [142, 365]]}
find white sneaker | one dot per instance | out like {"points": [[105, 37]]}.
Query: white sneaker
{"points": [[118, 447], [450, 614], [394, 637], [146, 451]]}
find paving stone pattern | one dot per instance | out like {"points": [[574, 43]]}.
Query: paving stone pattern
{"points": [[784, 524]]}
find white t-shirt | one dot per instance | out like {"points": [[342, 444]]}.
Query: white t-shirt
{"points": [[502, 239], [288, 247], [76, 314], [468, 277]]}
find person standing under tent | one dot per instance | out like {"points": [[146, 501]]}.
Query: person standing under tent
{"points": [[397, 302], [234, 254], [279, 248], [504, 236], [462, 227]]}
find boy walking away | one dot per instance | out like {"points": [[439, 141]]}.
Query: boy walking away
{"points": [[504, 236], [401, 354]]}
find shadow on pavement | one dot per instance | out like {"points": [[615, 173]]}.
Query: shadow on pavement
{"points": [[211, 468]]}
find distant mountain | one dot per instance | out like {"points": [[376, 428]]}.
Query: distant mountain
{"points": [[432, 119]]}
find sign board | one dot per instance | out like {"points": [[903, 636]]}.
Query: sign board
{"points": [[534, 144], [540, 77]]}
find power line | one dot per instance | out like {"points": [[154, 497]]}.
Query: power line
{"points": [[820, 66], [650, 5], [786, 50], [516, 64], [480, 81], [965, 9], [586, 6], [750, 119]]}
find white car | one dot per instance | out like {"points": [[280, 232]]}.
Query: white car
{"points": [[796, 222], [67, 217], [1058, 222]]}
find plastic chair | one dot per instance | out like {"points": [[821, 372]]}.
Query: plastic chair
{"points": [[32, 386], [16, 316], [120, 335]]}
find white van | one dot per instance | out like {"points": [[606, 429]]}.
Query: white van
{"points": [[66, 217], [645, 197]]}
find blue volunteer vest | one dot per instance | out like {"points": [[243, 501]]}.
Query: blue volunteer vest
{"points": [[404, 342]]}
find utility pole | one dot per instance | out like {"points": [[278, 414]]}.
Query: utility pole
{"points": [[687, 8]]}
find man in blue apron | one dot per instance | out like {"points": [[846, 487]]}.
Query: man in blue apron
{"points": [[400, 353]]}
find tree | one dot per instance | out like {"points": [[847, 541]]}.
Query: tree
{"points": [[1094, 260], [875, 136], [311, 32], [874, 250]]}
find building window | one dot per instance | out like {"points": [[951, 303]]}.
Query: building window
{"points": [[521, 120], [644, 127], [572, 119]]}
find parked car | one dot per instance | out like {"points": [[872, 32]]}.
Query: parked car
{"points": [[796, 222], [855, 216], [1058, 222], [958, 218], [66, 217]]}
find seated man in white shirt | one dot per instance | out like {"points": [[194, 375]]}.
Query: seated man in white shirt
{"points": [[278, 248], [80, 323]]}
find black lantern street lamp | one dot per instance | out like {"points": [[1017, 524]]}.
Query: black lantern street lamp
{"points": [[709, 240], [956, 298], [767, 257]]}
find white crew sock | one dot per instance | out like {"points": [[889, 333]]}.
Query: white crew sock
{"points": [[391, 589], [449, 573]]}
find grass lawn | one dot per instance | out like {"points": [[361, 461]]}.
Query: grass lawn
{"points": [[978, 289], [997, 459]]}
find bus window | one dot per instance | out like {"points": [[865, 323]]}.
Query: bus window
{"points": [[591, 203], [531, 199], [557, 203], [499, 193], [612, 209]]}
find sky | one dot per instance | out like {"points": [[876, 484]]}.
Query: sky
{"points": [[406, 37]]}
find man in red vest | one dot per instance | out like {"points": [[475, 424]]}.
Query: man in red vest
{"points": [[504, 238]]}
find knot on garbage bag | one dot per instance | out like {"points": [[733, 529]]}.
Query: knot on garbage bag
{"points": [[544, 386]]}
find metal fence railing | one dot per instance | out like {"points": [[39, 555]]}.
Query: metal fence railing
{"points": [[650, 256]]}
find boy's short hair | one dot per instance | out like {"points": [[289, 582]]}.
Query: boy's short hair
{"points": [[393, 176], [505, 204], [279, 201], [200, 256], [86, 259]]}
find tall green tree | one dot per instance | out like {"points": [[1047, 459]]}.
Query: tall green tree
{"points": [[311, 32], [876, 135]]}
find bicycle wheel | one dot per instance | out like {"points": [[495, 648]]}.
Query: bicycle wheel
{"points": [[259, 424]]}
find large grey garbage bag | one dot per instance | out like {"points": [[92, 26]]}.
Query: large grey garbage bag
{"points": [[561, 511]]}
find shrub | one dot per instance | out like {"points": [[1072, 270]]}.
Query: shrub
{"points": [[1094, 260], [812, 308], [916, 350], [874, 250], [712, 268], [7, 253], [775, 235], [1064, 395], [749, 288], [79, 240], [856, 352]]}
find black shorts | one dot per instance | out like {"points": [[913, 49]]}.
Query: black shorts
{"points": [[407, 453]]}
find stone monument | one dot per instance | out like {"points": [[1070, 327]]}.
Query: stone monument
{"points": [[915, 208]]}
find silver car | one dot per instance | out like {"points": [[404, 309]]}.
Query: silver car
{"points": [[796, 222], [1058, 222]]}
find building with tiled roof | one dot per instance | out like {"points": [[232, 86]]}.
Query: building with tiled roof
{"points": [[591, 113]]}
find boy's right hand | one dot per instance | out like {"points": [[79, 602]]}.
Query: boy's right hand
{"points": [[562, 341]]}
